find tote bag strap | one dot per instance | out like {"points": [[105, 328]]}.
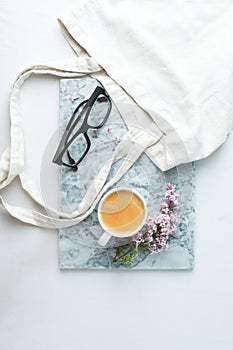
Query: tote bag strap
{"points": [[12, 160]]}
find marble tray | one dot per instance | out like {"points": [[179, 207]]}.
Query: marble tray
{"points": [[78, 246]]}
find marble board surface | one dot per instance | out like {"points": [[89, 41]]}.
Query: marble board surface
{"points": [[78, 245]]}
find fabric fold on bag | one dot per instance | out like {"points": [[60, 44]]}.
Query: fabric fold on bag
{"points": [[178, 68]]}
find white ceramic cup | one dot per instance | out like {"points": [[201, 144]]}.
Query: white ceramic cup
{"points": [[108, 233]]}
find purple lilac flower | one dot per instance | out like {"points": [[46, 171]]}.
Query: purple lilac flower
{"points": [[116, 140], [155, 234]]}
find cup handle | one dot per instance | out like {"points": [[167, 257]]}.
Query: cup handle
{"points": [[104, 239]]}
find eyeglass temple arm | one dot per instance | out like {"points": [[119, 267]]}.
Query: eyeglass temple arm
{"points": [[68, 126]]}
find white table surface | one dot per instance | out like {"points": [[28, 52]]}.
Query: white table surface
{"points": [[42, 307]]}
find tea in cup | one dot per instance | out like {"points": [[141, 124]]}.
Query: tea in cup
{"points": [[122, 213]]}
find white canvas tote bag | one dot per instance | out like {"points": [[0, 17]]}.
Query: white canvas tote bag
{"points": [[183, 112]]}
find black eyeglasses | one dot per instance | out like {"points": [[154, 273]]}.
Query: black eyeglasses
{"points": [[89, 114]]}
